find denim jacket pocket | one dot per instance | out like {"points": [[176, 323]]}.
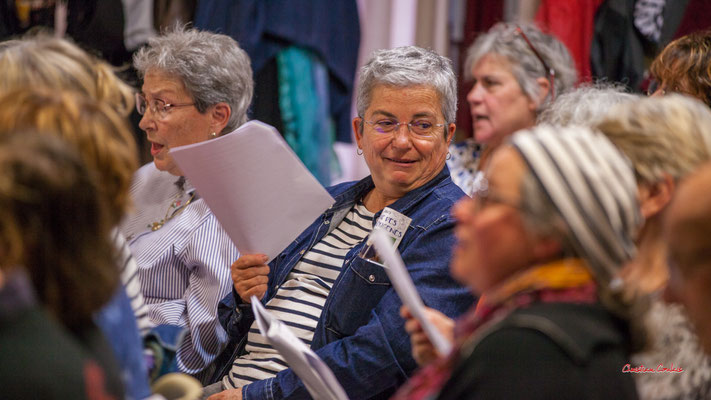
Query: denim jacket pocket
{"points": [[359, 291]]}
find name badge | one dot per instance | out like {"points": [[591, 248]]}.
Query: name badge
{"points": [[394, 224]]}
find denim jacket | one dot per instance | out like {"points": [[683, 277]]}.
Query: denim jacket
{"points": [[360, 334]]}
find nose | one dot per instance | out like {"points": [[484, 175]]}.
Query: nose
{"points": [[146, 120], [475, 94], [401, 136]]}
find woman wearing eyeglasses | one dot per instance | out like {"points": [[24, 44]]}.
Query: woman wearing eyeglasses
{"points": [[517, 71], [323, 285], [196, 86], [541, 241]]}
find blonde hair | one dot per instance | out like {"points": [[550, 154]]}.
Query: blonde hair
{"points": [[60, 64], [99, 134], [661, 135]]}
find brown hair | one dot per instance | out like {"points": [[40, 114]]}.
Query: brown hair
{"points": [[685, 66], [100, 135], [53, 223]]}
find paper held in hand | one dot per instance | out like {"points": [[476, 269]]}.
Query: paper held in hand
{"points": [[258, 189], [317, 377], [400, 278]]}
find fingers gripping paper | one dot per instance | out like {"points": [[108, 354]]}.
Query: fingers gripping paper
{"points": [[405, 288], [317, 377], [255, 185]]}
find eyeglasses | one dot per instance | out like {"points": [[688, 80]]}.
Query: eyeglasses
{"points": [[483, 197], [422, 129], [549, 70], [157, 106]]}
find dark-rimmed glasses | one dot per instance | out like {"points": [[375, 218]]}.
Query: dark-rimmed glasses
{"points": [[549, 70], [419, 128], [157, 106]]}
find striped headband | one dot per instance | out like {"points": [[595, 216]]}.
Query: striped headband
{"points": [[592, 185]]}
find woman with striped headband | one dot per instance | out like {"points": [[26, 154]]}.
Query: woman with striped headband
{"points": [[541, 241]]}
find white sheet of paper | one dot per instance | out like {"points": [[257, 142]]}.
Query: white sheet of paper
{"points": [[405, 288], [317, 377], [258, 189]]}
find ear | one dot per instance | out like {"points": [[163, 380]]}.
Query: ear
{"points": [[220, 115], [653, 198], [358, 131], [544, 87], [451, 128]]}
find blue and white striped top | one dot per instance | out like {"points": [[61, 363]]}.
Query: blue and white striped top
{"points": [[299, 301], [184, 267], [131, 282]]}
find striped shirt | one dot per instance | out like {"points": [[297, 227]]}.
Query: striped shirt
{"points": [[184, 267], [299, 301], [131, 282]]}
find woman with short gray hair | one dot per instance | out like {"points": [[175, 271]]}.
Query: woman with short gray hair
{"points": [[517, 71], [196, 86]]}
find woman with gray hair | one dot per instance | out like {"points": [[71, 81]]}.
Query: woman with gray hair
{"points": [[549, 227], [585, 105], [517, 71], [196, 86], [667, 138], [324, 284]]}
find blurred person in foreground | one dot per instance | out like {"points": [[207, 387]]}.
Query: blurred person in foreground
{"points": [[338, 302], [103, 140], [687, 232], [53, 222], [666, 138], [586, 105], [541, 241], [517, 72], [196, 86]]}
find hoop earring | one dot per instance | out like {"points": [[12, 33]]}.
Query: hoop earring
{"points": [[449, 156], [359, 152]]}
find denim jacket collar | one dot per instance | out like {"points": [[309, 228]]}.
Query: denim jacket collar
{"points": [[403, 204]]}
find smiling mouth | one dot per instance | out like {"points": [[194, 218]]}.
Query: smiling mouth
{"points": [[398, 161]]}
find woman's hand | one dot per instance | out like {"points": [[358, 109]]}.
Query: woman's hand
{"points": [[249, 276], [423, 351]]}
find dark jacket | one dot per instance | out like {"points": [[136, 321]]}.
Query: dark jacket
{"points": [[546, 351]]}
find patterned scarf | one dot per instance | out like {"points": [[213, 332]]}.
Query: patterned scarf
{"points": [[562, 281]]}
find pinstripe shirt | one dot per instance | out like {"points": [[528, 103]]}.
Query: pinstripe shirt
{"points": [[184, 267]]}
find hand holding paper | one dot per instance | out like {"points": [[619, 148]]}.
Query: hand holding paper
{"points": [[405, 288], [317, 377]]}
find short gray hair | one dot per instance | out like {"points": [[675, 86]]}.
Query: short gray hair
{"points": [[409, 66], [585, 105], [502, 40], [661, 135], [212, 67]]}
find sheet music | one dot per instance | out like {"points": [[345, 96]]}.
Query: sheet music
{"points": [[405, 288], [317, 377], [258, 189]]}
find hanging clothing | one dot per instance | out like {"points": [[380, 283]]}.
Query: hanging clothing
{"points": [[572, 22], [264, 28]]}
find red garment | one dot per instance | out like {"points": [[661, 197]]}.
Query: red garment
{"points": [[572, 22]]}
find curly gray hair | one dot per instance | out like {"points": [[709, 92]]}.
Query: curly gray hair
{"points": [[409, 66], [585, 105], [212, 67], [503, 40]]}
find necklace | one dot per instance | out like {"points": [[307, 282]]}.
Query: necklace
{"points": [[176, 209]]}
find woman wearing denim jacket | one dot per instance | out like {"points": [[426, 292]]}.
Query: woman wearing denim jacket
{"points": [[339, 303]]}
